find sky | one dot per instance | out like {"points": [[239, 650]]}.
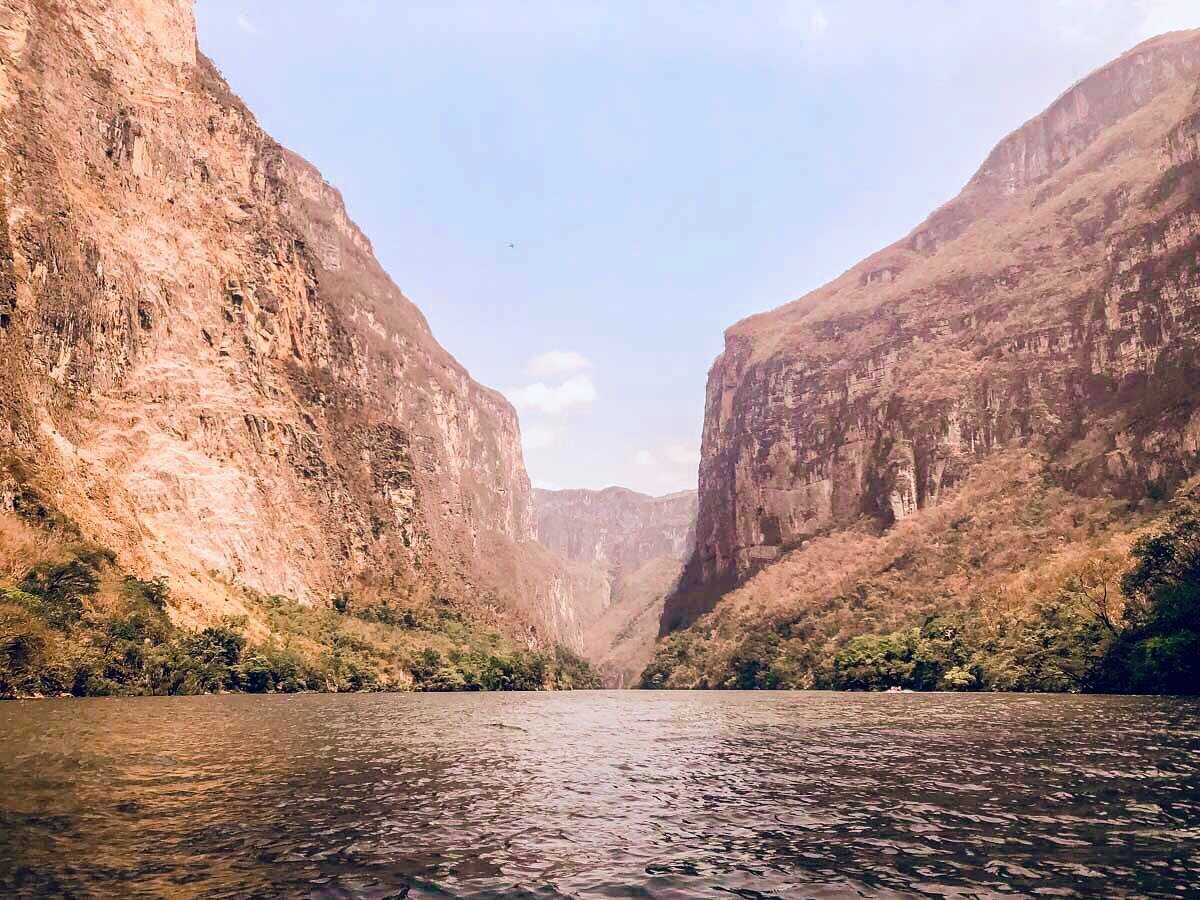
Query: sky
{"points": [[582, 196]]}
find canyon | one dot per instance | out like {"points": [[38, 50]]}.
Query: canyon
{"points": [[633, 546], [217, 407]]}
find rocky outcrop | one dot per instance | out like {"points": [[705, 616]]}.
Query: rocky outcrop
{"points": [[205, 365], [635, 544], [1054, 304]]}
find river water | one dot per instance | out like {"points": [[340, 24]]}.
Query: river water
{"points": [[601, 794]]}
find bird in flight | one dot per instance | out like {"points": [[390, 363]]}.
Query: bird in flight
{"points": [[511, 245]]}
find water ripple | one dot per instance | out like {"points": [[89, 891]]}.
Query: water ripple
{"points": [[601, 795]]}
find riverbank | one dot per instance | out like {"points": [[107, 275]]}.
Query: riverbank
{"points": [[76, 625]]}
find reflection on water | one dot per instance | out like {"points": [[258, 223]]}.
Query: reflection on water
{"points": [[601, 795]]}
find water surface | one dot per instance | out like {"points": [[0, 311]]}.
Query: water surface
{"points": [[601, 794]]}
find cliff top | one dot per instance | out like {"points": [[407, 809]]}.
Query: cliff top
{"points": [[1104, 131], [612, 491]]}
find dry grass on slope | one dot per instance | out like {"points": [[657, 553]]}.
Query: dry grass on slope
{"points": [[1004, 540], [20, 547]]}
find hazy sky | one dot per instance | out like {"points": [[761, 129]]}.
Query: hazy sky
{"points": [[662, 168]]}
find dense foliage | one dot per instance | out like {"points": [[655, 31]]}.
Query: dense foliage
{"points": [[1107, 625], [1158, 650], [75, 626]]}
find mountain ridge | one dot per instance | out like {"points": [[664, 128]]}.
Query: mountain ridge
{"points": [[1052, 305]]}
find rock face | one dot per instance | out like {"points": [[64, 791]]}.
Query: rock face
{"points": [[203, 363], [615, 528], [1054, 304], [636, 545]]}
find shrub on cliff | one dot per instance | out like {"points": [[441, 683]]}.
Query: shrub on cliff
{"points": [[391, 616], [1056, 649], [61, 589], [432, 673], [155, 592], [197, 663], [348, 665], [753, 664], [270, 669], [875, 662], [572, 672], [25, 645]]}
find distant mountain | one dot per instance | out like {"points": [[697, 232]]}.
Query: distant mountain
{"points": [[638, 544]]}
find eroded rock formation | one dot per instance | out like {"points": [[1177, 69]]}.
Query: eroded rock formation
{"points": [[202, 361], [1054, 304], [635, 546]]}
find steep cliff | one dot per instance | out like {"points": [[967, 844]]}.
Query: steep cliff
{"points": [[616, 528], [204, 365], [1052, 308], [635, 546]]}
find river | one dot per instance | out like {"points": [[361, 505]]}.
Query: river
{"points": [[601, 794]]}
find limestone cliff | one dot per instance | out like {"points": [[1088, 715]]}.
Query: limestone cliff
{"points": [[636, 545], [203, 363], [616, 528], [1054, 305]]}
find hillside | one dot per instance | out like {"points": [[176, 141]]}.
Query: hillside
{"points": [[1036, 334]]}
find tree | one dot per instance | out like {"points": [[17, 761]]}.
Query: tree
{"points": [[753, 664], [875, 662], [61, 588], [24, 644], [1095, 586], [1159, 650]]}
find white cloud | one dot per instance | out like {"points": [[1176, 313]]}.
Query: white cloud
{"points": [[246, 25], [644, 458], [554, 363], [819, 20], [669, 466], [576, 392], [538, 437], [682, 455]]}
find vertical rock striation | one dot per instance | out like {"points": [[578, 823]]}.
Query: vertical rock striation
{"points": [[1054, 304], [615, 528], [203, 362]]}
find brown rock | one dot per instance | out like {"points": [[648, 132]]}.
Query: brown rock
{"points": [[634, 545], [1054, 305], [203, 362]]}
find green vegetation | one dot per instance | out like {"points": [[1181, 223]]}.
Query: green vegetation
{"points": [[74, 625], [1158, 648], [1107, 622]]}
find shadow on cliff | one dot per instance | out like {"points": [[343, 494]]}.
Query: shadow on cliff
{"points": [[693, 596]]}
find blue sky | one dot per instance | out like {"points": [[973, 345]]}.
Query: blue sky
{"points": [[663, 169]]}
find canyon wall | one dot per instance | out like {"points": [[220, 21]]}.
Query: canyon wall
{"points": [[615, 528], [636, 545], [1054, 305], [204, 365]]}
